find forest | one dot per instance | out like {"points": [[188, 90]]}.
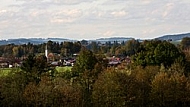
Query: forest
{"points": [[157, 76]]}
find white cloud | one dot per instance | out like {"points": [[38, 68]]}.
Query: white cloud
{"points": [[109, 33], [148, 31], [65, 16], [169, 7], [66, 12], [93, 18], [119, 13], [70, 2], [145, 2], [62, 20], [3, 11]]}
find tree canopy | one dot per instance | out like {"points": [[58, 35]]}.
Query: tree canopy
{"points": [[156, 53], [35, 66]]}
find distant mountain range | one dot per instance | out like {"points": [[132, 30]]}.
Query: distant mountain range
{"points": [[20, 41], [176, 37], [59, 40]]}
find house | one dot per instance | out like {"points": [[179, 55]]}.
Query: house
{"points": [[4, 64], [55, 63], [68, 61], [113, 61]]}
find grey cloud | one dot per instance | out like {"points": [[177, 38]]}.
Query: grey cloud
{"points": [[70, 2], [70, 18], [180, 13]]}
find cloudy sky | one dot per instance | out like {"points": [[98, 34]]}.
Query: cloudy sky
{"points": [[92, 19]]}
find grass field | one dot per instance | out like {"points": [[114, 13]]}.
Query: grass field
{"points": [[5, 71], [63, 69]]}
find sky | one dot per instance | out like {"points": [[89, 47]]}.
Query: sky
{"points": [[93, 19]]}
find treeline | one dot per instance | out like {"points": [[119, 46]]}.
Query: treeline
{"points": [[63, 48], [70, 48], [157, 77], [127, 48]]}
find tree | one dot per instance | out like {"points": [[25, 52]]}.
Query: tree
{"points": [[48, 93], [11, 89], [144, 77], [33, 67], [170, 90], [16, 51], [166, 53], [76, 47], [115, 89], [8, 51], [185, 43], [84, 62], [94, 47], [157, 53], [120, 51], [131, 47], [85, 74], [70, 48]]}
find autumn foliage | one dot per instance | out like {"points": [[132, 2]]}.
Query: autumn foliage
{"points": [[157, 83]]}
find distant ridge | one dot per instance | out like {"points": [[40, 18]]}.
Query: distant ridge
{"points": [[112, 39], [21, 41], [175, 37]]}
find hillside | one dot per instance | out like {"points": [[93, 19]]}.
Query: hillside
{"points": [[20, 41], [176, 37], [41, 40], [31, 40]]}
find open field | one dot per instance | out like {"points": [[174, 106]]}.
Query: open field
{"points": [[5, 71], [63, 69], [175, 42]]}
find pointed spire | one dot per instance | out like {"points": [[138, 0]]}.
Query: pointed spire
{"points": [[46, 51]]}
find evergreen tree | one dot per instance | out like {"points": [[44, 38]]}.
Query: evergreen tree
{"points": [[33, 67]]}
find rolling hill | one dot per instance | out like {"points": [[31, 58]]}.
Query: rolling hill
{"points": [[176, 37], [19, 41]]}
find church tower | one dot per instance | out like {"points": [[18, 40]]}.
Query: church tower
{"points": [[46, 52]]}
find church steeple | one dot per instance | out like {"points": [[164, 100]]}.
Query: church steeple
{"points": [[46, 52]]}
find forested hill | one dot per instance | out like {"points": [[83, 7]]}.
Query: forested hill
{"points": [[31, 40], [20, 41], [174, 37], [42, 40]]}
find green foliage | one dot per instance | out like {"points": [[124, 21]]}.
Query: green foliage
{"points": [[131, 47], [69, 48], [34, 67], [185, 43], [85, 62], [170, 90], [63, 48], [48, 93], [115, 89], [166, 53], [85, 74], [94, 47], [91, 84], [144, 78], [16, 92], [11, 90], [144, 87], [157, 53], [5, 71]]}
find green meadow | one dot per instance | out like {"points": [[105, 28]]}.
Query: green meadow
{"points": [[5, 71], [63, 69]]}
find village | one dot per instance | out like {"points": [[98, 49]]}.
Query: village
{"points": [[60, 62]]}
